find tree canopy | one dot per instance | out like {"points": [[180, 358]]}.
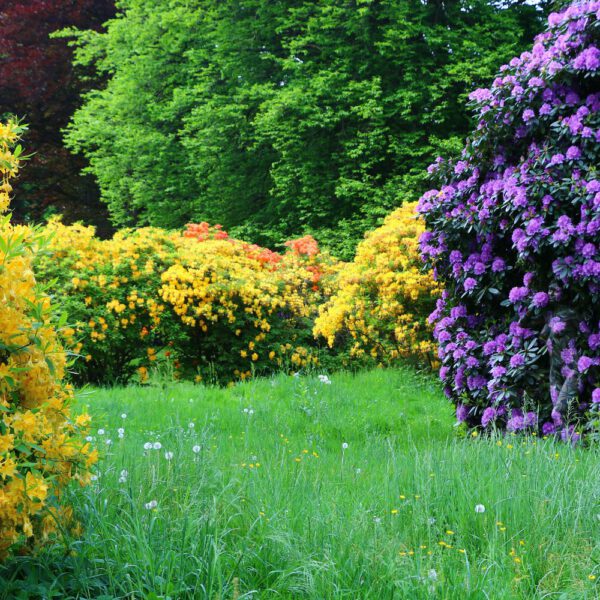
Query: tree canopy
{"points": [[282, 118]]}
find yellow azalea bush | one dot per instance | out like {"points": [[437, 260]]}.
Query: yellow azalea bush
{"points": [[41, 447], [197, 304], [109, 289], [383, 297], [249, 309]]}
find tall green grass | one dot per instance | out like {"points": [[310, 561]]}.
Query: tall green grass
{"points": [[301, 489]]}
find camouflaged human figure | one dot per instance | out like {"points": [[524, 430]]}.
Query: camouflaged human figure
{"points": [[564, 390]]}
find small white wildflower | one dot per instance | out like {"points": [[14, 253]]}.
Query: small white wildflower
{"points": [[196, 449], [121, 436], [296, 374], [124, 473], [101, 432], [94, 477], [169, 455], [122, 479], [123, 415], [431, 521], [148, 446], [358, 471], [433, 574], [150, 505], [120, 430], [251, 412], [191, 425], [324, 379], [344, 446], [377, 520], [108, 442], [89, 438], [157, 445], [479, 508], [246, 410]]}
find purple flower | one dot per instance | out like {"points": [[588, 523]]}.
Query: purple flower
{"points": [[481, 95], [548, 428], [584, 363], [557, 159], [540, 299], [517, 294], [573, 153], [528, 115], [518, 360], [568, 434], [596, 396], [588, 60], [498, 265], [498, 371], [515, 423], [470, 284], [557, 325], [489, 414], [536, 82], [462, 412], [530, 419]]}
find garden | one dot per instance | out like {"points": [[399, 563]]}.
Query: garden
{"points": [[253, 346]]}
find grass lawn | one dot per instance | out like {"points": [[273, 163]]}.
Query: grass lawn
{"points": [[296, 488]]}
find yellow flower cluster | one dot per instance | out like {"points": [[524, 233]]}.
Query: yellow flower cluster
{"points": [[110, 290], [41, 447], [383, 297], [251, 314], [198, 304]]}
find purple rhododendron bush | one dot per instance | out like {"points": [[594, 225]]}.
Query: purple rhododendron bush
{"points": [[514, 236]]}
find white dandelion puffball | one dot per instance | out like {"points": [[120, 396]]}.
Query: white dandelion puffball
{"points": [[191, 425], [148, 446], [150, 505], [169, 455], [196, 449], [101, 432], [479, 508], [123, 415], [344, 446]]}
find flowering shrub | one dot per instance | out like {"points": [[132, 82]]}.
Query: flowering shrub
{"points": [[200, 304], [382, 299], [514, 237], [248, 308], [40, 444], [110, 293]]}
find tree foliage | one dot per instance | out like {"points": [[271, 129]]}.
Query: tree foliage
{"points": [[281, 118], [38, 84]]}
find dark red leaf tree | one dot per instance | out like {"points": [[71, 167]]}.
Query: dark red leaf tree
{"points": [[38, 85]]}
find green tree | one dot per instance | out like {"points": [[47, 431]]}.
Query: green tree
{"points": [[282, 118]]}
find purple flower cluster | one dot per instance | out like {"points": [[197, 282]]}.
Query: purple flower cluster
{"points": [[513, 232]]}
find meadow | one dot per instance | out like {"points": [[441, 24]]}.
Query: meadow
{"points": [[347, 486]]}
